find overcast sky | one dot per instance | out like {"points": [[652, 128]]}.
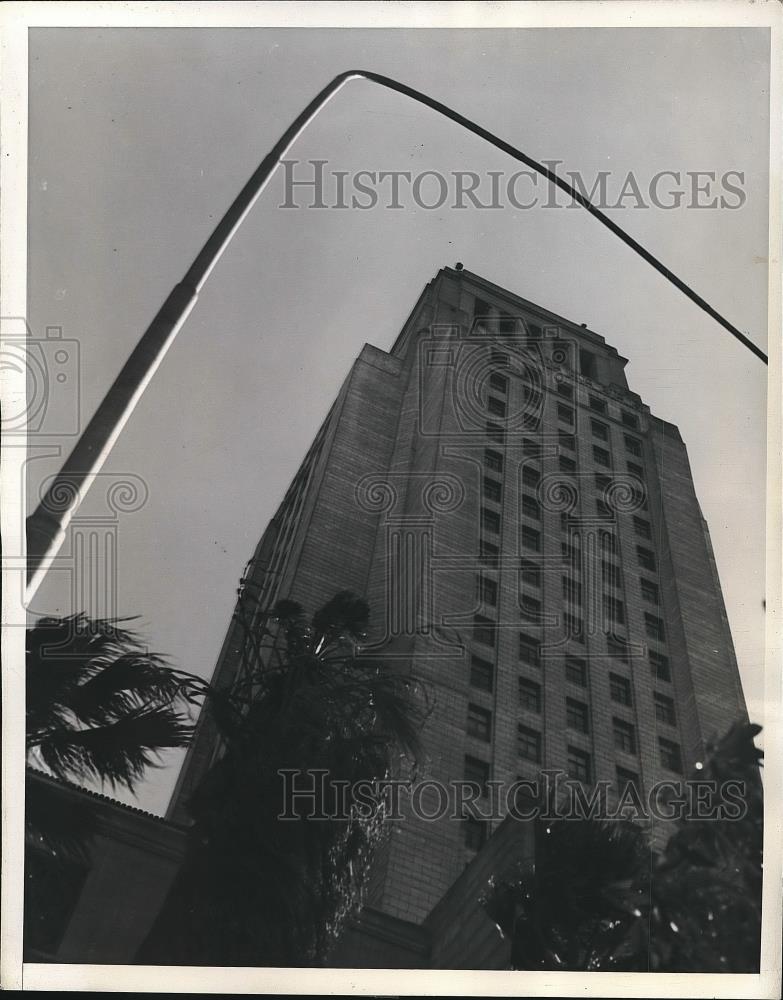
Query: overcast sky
{"points": [[139, 139]]}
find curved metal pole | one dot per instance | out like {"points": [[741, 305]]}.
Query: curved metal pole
{"points": [[47, 525]]}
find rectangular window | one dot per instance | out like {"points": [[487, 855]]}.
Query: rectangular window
{"points": [[664, 709], [492, 489], [487, 590], [490, 521], [529, 743], [479, 723], [610, 574], [481, 309], [484, 630], [566, 464], [642, 528], [496, 407], [630, 419], [602, 509], [654, 627], [572, 590], [566, 440], [646, 557], [602, 456], [620, 689], [670, 754], [617, 649], [477, 772], [530, 506], [495, 432], [530, 573], [493, 460], [635, 470], [507, 325], [482, 674], [588, 365], [475, 833], [659, 665], [577, 716], [565, 414], [650, 591], [530, 446], [579, 765], [625, 778], [573, 627], [633, 445], [530, 607], [614, 609], [600, 431], [597, 405], [529, 650], [531, 539], [565, 389], [498, 382], [571, 555], [488, 552], [531, 476], [529, 695], [624, 736], [576, 670], [602, 481]]}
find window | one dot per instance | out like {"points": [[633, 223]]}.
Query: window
{"points": [[670, 754], [488, 552], [625, 778], [531, 476], [642, 527], [495, 432], [620, 689], [624, 736], [600, 431], [650, 591], [571, 554], [487, 590], [572, 590], [635, 470], [530, 607], [529, 446], [573, 626], [566, 440], [602, 456], [529, 650], [492, 489], [630, 419], [633, 445], [611, 574], [499, 358], [597, 405], [479, 723], [480, 309], [498, 382], [490, 521], [617, 649], [587, 364], [579, 765], [664, 709], [614, 609], [529, 743], [565, 389], [654, 627], [576, 670], [493, 460], [531, 539], [529, 695], [602, 481], [565, 413], [530, 506], [659, 665], [477, 772], [482, 674], [506, 325], [646, 557], [576, 715], [533, 329], [475, 833], [496, 407], [530, 573], [602, 508], [566, 464], [484, 630]]}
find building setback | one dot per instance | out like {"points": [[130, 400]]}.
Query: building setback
{"points": [[528, 537]]}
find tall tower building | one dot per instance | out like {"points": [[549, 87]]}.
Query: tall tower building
{"points": [[527, 535]]}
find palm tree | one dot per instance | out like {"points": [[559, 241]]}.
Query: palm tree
{"points": [[257, 889]]}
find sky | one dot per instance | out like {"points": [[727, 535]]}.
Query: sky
{"points": [[140, 138]]}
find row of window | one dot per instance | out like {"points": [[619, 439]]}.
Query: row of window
{"points": [[530, 576]]}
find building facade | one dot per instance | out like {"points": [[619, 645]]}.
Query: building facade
{"points": [[528, 537]]}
